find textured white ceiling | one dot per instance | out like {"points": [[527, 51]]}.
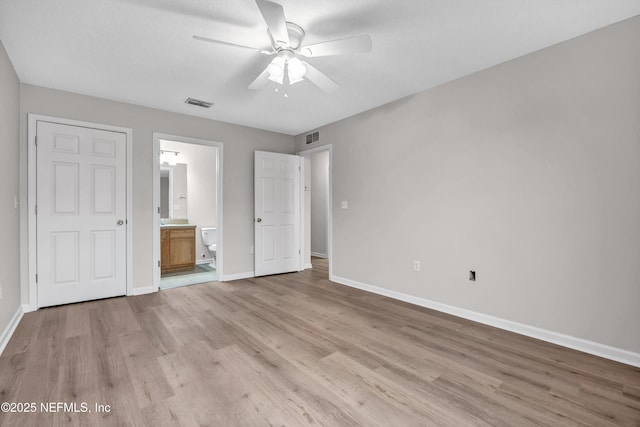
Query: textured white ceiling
{"points": [[142, 51]]}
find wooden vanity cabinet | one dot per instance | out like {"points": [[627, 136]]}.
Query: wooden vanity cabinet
{"points": [[177, 249]]}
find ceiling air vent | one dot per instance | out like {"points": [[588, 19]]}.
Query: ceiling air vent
{"points": [[198, 103], [313, 137]]}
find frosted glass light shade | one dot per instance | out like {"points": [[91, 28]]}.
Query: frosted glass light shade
{"points": [[296, 70]]}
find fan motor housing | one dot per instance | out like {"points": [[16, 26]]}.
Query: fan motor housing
{"points": [[296, 36]]}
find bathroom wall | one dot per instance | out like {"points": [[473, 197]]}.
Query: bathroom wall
{"points": [[199, 163], [527, 172], [9, 191], [319, 181]]}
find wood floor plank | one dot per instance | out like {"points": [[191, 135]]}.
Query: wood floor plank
{"points": [[200, 376], [297, 349], [148, 381], [376, 396], [289, 374]]}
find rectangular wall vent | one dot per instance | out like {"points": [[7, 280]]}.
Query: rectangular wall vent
{"points": [[313, 137], [198, 103]]}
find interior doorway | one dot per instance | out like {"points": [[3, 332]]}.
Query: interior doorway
{"points": [[317, 201], [188, 222]]}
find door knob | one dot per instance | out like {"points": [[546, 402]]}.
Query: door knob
{"points": [[259, 220], [120, 222]]}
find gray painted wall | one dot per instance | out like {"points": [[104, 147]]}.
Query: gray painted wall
{"points": [[319, 176], [528, 172], [9, 188], [239, 144]]}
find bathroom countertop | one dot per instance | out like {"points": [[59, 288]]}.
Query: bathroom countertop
{"points": [[178, 226]]}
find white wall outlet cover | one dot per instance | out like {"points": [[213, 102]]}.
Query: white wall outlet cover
{"points": [[344, 205]]}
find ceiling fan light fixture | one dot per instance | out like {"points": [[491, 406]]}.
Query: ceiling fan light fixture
{"points": [[294, 81], [296, 70], [276, 68], [277, 79], [287, 43]]}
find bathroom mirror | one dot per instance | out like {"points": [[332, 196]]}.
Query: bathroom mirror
{"points": [[173, 191]]}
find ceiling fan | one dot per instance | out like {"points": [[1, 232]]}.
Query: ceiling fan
{"points": [[286, 44]]}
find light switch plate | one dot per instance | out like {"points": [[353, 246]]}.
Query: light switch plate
{"points": [[344, 204]]}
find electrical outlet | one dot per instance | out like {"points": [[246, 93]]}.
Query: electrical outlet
{"points": [[472, 275], [416, 265]]}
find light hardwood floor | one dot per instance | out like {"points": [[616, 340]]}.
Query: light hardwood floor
{"points": [[296, 350]]}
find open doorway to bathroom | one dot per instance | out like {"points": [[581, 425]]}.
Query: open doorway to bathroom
{"points": [[317, 209], [188, 222]]}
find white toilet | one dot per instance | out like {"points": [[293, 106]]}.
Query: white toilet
{"points": [[209, 239]]}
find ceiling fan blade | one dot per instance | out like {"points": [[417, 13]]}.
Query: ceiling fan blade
{"points": [[320, 79], [260, 81], [273, 14], [357, 44], [205, 39]]}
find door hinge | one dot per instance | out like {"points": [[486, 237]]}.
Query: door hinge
{"points": [[36, 277], [36, 209], [158, 263], [36, 140], [299, 253], [158, 209]]}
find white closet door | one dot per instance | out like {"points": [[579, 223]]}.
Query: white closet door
{"points": [[277, 213], [81, 213]]}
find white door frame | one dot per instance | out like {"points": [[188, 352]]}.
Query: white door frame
{"points": [[306, 154], [157, 136], [31, 196]]}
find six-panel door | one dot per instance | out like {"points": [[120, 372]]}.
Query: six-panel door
{"points": [[81, 213], [277, 213]]}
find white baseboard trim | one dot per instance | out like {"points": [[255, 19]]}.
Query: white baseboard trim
{"points": [[10, 329], [319, 255], [142, 291], [237, 276], [307, 266], [597, 349], [26, 308]]}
